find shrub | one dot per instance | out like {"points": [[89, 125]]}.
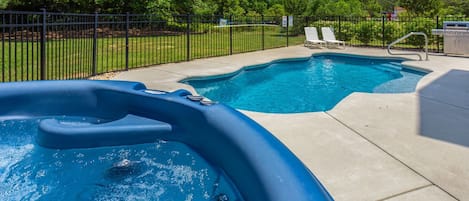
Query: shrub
{"points": [[419, 24], [392, 31], [367, 31], [346, 31], [174, 26]]}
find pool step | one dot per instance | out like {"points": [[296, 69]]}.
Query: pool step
{"points": [[390, 67], [396, 86], [130, 129]]}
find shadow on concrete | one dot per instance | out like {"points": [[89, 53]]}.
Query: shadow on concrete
{"points": [[444, 108]]}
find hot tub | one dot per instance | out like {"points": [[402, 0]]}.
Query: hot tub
{"points": [[120, 114]]}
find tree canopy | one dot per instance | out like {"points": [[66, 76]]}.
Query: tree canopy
{"points": [[422, 7], [244, 7]]}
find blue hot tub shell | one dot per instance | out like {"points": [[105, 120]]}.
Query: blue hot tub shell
{"points": [[260, 166]]}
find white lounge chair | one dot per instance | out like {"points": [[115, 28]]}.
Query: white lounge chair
{"points": [[312, 38], [329, 37]]}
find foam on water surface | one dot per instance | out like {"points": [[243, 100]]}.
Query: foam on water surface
{"points": [[162, 170]]}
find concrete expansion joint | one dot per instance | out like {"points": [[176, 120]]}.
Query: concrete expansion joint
{"points": [[167, 71], [405, 192], [395, 158]]}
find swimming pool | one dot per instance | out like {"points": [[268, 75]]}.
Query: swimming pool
{"points": [[311, 84], [115, 140]]}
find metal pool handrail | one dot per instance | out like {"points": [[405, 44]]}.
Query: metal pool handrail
{"points": [[406, 36]]}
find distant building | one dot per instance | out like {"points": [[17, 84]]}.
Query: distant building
{"points": [[397, 11]]}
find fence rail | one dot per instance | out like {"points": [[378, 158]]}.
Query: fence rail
{"points": [[47, 46]]}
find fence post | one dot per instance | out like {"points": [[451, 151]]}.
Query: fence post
{"points": [[188, 37], [263, 32], [3, 45], [288, 19], [10, 31], [95, 43], [127, 41], [231, 34], [382, 31], [43, 44], [437, 36], [340, 29]]}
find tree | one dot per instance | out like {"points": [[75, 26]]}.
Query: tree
{"points": [[275, 10], [455, 7], [183, 7], [421, 7], [259, 6], [229, 7], [295, 7], [313, 6], [324, 9], [242, 7], [161, 8], [204, 7], [4, 4], [52, 5], [387, 5], [122, 6], [341, 8], [372, 7]]}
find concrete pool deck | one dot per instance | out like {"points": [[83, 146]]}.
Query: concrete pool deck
{"points": [[410, 146]]}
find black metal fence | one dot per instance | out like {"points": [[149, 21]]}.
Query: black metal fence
{"points": [[42, 45], [381, 31]]}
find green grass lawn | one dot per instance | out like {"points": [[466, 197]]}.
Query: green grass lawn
{"points": [[73, 58]]}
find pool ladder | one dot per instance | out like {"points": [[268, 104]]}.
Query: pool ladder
{"points": [[406, 36]]}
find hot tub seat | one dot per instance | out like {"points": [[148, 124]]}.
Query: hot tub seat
{"points": [[130, 129]]}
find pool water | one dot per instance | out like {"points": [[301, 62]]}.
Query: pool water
{"points": [[306, 85], [162, 170]]}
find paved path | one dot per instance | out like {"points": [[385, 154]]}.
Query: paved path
{"points": [[411, 146]]}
